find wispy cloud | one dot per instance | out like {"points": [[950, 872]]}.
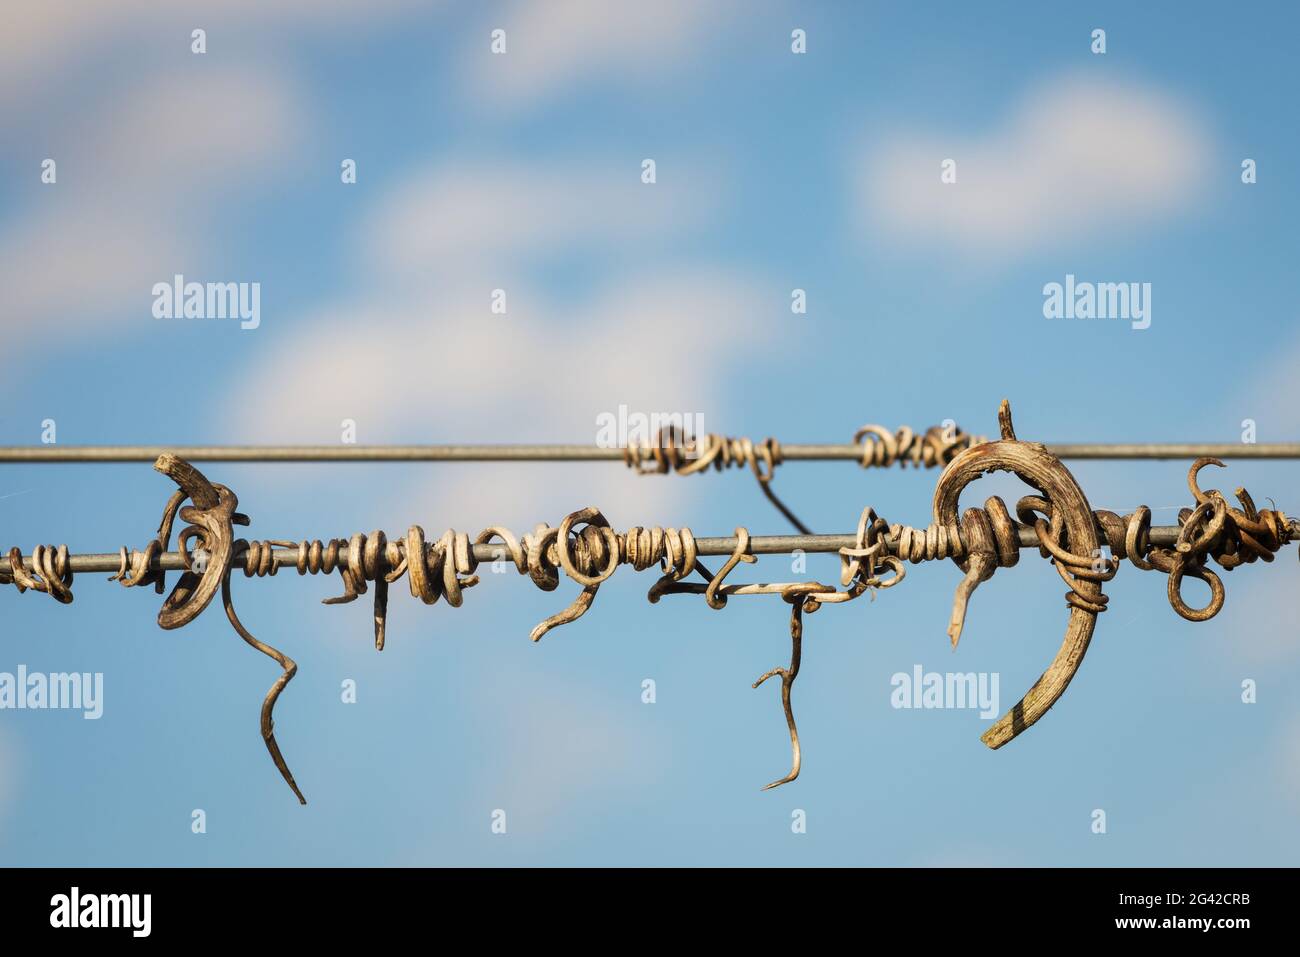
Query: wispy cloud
{"points": [[451, 371], [56, 34], [498, 213], [553, 47], [417, 354], [1073, 158], [97, 243]]}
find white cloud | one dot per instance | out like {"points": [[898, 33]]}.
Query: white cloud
{"points": [[40, 39], [176, 132], [452, 372], [554, 46], [395, 366], [425, 360], [98, 239], [1075, 157], [487, 210]]}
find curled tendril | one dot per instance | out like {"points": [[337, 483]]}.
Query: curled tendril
{"points": [[268, 704], [800, 598]]}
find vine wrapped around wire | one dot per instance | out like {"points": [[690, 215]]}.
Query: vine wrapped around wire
{"points": [[585, 549]]}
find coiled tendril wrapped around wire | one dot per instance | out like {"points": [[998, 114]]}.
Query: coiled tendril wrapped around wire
{"points": [[587, 550]]}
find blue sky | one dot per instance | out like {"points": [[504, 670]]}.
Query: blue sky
{"points": [[522, 172]]}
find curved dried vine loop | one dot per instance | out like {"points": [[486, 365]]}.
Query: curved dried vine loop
{"points": [[741, 554], [211, 516], [1071, 517]]}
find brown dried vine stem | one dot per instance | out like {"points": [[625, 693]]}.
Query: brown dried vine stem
{"points": [[585, 549]]}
